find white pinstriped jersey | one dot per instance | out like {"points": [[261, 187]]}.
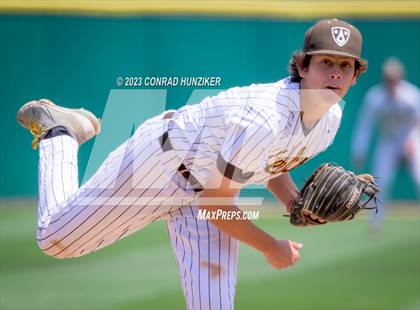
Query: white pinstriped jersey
{"points": [[248, 133], [252, 133]]}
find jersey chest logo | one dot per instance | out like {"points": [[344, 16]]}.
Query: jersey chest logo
{"points": [[283, 165], [340, 35]]}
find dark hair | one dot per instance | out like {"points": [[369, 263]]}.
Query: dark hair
{"points": [[298, 60], [301, 60]]}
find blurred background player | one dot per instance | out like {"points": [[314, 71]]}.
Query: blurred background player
{"points": [[393, 105]]}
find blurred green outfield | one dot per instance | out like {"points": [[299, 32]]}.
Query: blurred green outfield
{"points": [[342, 267]]}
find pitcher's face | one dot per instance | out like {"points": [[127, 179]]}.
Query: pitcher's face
{"points": [[331, 73]]}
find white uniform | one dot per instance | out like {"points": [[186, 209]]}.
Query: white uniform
{"points": [[397, 118], [249, 133]]}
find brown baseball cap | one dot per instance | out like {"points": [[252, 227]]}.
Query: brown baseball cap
{"points": [[334, 37]]}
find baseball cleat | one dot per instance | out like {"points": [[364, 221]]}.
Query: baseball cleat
{"points": [[39, 116]]}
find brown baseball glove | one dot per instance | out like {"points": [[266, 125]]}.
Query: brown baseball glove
{"points": [[332, 194]]}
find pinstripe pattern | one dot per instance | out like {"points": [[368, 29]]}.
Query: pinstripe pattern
{"points": [[206, 259], [76, 221], [251, 127], [139, 182], [99, 179]]}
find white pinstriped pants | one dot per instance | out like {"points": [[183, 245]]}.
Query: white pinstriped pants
{"points": [[130, 190]]}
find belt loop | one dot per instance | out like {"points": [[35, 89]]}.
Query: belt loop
{"points": [[166, 145]]}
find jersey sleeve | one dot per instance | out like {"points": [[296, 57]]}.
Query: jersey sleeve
{"points": [[244, 150]]}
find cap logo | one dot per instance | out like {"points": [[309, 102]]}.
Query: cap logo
{"points": [[340, 35]]}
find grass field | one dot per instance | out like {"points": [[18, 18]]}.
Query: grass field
{"points": [[342, 267]]}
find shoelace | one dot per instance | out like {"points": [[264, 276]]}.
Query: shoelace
{"points": [[38, 131]]}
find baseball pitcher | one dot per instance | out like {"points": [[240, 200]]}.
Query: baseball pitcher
{"points": [[198, 158]]}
